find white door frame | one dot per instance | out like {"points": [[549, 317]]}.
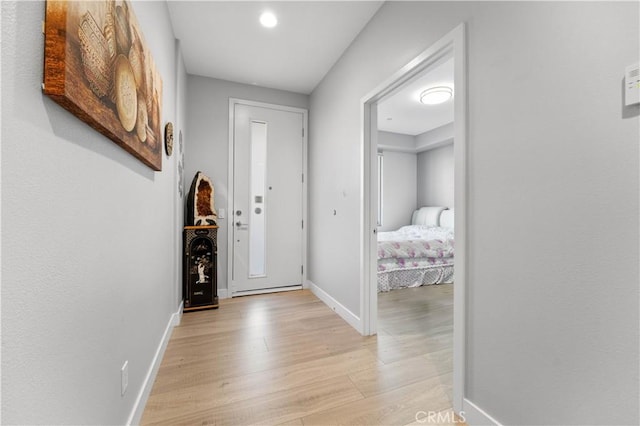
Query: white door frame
{"points": [[305, 122], [453, 44]]}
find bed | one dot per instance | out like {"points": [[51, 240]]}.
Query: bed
{"points": [[417, 254]]}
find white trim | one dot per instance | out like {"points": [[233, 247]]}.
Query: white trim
{"points": [[266, 291], [306, 285], [178, 202], [223, 293], [451, 43], [344, 313], [230, 193], [460, 125], [434, 145], [176, 317], [391, 148], [368, 213], [147, 384], [305, 149], [474, 415], [380, 188], [417, 149]]}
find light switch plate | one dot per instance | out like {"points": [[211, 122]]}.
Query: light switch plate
{"points": [[221, 213], [632, 85]]}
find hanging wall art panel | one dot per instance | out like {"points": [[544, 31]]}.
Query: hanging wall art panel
{"points": [[98, 66]]}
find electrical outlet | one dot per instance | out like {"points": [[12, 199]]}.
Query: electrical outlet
{"points": [[124, 377]]}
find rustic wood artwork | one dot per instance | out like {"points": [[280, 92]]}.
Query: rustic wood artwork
{"points": [[97, 65]]}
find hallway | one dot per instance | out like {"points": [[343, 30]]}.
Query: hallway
{"points": [[286, 358]]}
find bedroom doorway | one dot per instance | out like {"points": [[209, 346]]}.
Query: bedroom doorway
{"points": [[412, 81]]}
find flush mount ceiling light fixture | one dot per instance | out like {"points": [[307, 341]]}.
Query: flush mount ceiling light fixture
{"points": [[268, 20], [436, 95]]}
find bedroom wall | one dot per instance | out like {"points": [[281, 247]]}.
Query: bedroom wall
{"points": [[434, 138], [399, 189], [399, 179], [396, 141], [88, 241], [553, 197], [435, 177], [208, 140]]}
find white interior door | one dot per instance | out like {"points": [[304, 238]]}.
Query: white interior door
{"points": [[267, 215]]}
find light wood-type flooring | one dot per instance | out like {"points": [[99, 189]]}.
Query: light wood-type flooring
{"points": [[287, 358]]}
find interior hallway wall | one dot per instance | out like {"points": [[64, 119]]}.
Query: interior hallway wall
{"points": [[208, 141], [178, 154], [553, 197], [88, 241]]}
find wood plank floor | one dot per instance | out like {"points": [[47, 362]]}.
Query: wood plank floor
{"points": [[287, 358]]}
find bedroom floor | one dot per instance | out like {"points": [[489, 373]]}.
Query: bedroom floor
{"points": [[287, 358]]}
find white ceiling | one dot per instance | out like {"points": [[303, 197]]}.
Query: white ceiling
{"points": [[223, 39], [408, 115]]}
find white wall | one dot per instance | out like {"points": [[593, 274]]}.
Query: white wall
{"points": [[399, 179], [88, 237], [208, 140], [180, 126], [434, 138], [435, 177], [396, 141], [399, 189], [553, 197]]}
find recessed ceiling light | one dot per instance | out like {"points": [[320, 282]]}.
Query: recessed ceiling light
{"points": [[268, 20], [436, 95]]}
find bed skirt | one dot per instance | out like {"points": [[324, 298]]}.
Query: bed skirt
{"points": [[416, 277]]}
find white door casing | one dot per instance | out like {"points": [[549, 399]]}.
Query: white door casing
{"points": [[453, 43], [267, 197]]}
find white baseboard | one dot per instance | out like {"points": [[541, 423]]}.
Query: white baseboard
{"points": [[145, 391], [268, 290], [176, 317], [223, 293], [351, 319], [474, 415]]}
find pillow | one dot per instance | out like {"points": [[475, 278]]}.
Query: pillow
{"points": [[446, 219], [428, 216]]}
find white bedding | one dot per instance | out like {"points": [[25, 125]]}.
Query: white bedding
{"points": [[417, 232], [429, 216], [415, 255]]}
